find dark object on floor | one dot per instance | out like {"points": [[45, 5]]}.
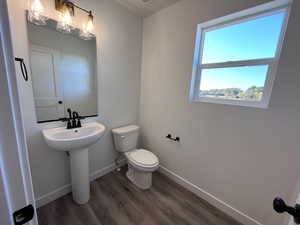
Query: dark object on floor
{"points": [[280, 207]]}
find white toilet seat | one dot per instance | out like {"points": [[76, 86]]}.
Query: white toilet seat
{"points": [[142, 159]]}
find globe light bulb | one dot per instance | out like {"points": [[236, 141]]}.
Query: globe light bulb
{"points": [[35, 13], [66, 17], [65, 22], [86, 32], [37, 6], [90, 24]]}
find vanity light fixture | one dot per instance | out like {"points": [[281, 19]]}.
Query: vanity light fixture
{"points": [[35, 13], [67, 10]]}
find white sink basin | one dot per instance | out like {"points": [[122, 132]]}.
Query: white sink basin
{"points": [[76, 142], [72, 139]]}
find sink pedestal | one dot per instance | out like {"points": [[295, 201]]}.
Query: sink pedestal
{"points": [[76, 141], [79, 160]]}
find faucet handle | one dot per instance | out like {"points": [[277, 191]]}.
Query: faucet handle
{"points": [[78, 123], [69, 125], [70, 113]]}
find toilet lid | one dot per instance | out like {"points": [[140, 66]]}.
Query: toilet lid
{"points": [[143, 157]]}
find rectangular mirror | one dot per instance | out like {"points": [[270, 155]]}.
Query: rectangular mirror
{"points": [[63, 72]]}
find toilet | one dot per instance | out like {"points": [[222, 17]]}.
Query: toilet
{"points": [[141, 162]]}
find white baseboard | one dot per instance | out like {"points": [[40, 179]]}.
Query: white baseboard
{"points": [[226, 208], [61, 191], [53, 195], [99, 173]]}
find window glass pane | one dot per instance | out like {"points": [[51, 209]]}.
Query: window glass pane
{"points": [[239, 83], [253, 39]]}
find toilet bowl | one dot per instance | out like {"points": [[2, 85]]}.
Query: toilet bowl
{"points": [[141, 162]]}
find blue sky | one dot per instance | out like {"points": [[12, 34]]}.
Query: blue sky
{"points": [[254, 39]]}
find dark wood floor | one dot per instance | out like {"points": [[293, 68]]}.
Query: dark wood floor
{"points": [[116, 201]]}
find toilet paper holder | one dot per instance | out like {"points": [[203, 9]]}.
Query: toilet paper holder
{"points": [[169, 136]]}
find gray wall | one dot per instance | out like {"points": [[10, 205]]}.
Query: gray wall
{"points": [[243, 156], [119, 41]]}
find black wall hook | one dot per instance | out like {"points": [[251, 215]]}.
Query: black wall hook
{"points": [[23, 68], [169, 136], [280, 207]]}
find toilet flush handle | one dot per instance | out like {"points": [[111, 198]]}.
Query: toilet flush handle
{"points": [[122, 136]]}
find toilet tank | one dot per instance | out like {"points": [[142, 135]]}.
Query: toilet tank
{"points": [[126, 138]]}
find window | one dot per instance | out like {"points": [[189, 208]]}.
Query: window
{"points": [[236, 56]]}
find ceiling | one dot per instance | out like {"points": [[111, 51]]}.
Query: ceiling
{"points": [[146, 7]]}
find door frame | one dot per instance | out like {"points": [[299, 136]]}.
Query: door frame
{"points": [[15, 177]]}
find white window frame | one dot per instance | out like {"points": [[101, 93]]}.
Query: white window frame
{"points": [[255, 12]]}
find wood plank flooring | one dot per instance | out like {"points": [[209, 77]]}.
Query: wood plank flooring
{"points": [[116, 201]]}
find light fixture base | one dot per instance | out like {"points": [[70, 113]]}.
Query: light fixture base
{"points": [[59, 6]]}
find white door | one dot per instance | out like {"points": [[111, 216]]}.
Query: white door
{"points": [[15, 180], [47, 91]]}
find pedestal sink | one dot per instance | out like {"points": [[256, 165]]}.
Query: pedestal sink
{"points": [[76, 141]]}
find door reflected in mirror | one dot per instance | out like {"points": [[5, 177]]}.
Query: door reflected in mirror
{"points": [[63, 72]]}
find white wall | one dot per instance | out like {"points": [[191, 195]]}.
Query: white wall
{"points": [[119, 37], [242, 156]]}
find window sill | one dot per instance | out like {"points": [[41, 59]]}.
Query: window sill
{"points": [[243, 103]]}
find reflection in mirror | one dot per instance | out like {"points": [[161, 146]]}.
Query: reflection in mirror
{"points": [[63, 72]]}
